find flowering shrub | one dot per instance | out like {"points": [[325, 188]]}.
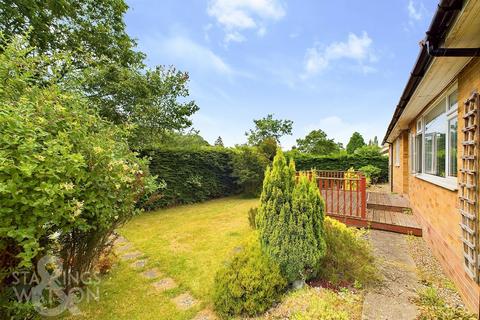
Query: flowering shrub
{"points": [[67, 177]]}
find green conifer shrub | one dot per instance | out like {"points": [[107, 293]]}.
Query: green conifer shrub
{"points": [[290, 220], [252, 215], [249, 284]]}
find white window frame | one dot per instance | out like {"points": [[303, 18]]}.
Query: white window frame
{"points": [[448, 182], [419, 131]]}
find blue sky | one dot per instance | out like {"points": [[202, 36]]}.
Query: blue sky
{"points": [[339, 66]]}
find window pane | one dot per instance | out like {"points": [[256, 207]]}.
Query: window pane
{"points": [[452, 100], [418, 153], [435, 140], [429, 153], [452, 127]]}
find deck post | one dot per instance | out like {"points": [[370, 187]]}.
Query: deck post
{"points": [[363, 196]]}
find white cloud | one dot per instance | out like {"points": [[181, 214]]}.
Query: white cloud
{"points": [[416, 13], [206, 32], [357, 48], [238, 15], [262, 31], [183, 50], [413, 12], [341, 130], [234, 36]]}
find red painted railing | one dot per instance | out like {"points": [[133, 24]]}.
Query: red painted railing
{"points": [[344, 193]]}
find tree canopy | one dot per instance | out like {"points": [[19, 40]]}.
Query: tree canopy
{"points": [[269, 127], [356, 141], [219, 142], [369, 151], [373, 142], [317, 142], [185, 140], [101, 62]]}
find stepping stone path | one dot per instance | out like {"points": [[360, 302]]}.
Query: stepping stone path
{"points": [[184, 301], [205, 315], [139, 264], [120, 240], [132, 255], [124, 247], [165, 284], [151, 274]]}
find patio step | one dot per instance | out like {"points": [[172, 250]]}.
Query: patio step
{"points": [[385, 220], [387, 202]]}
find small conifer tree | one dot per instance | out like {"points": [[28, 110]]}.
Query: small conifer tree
{"points": [[218, 142], [290, 220]]}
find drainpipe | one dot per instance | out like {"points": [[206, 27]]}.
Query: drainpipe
{"points": [[390, 165]]}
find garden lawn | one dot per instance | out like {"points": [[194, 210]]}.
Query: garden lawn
{"points": [[187, 243]]}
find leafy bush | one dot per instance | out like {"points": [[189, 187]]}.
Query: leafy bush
{"points": [[249, 167], [252, 216], [67, 177], [369, 151], [432, 306], [290, 220], [348, 255], [191, 175], [268, 147], [341, 162], [372, 173], [248, 284]]}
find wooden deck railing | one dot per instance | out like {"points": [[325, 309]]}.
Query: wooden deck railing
{"points": [[344, 192]]}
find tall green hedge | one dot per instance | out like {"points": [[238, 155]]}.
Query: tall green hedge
{"points": [[191, 175], [339, 162], [202, 174]]}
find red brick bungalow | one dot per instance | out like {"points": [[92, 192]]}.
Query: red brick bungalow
{"points": [[434, 139]]}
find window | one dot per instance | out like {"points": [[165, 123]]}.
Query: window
{"points": [[452, 141], [397, 152], [435, 142], [418, 152], [418, 147]]}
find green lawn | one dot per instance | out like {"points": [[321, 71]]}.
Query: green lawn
{"points": [[186, 243]]}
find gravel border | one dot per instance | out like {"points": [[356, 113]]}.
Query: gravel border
{"points": [[431, 273]]}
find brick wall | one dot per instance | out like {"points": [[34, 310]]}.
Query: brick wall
{"points": [[437, 207]]}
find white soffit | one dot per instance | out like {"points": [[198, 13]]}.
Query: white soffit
{"points": [[465, 33]]}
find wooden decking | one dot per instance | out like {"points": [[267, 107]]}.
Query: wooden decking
{"points": [[342, 202], [387, 201], [385, 211]]}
